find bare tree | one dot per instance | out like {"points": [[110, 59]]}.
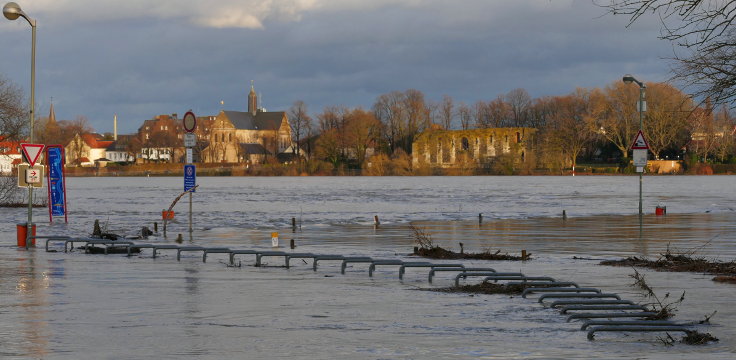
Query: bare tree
{"points": [[703, 29], [667, 118], [499, 112], [519, 102], [465, 114], [567, 129], [299, 121], [446, 112], [13, 111], [616, 117]]}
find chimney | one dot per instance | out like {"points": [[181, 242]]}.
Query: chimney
{"points": [[115, 128]]}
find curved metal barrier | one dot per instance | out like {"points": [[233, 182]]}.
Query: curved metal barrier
{"points": [[575, 298]]}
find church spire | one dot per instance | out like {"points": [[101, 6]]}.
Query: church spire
{"points": [[252, 100], [52, 114]]}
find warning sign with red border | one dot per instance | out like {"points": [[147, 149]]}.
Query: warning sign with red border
{"points": [[640, 143], [32, 152]]}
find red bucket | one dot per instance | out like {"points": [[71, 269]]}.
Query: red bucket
{"points": [[661, 210]]}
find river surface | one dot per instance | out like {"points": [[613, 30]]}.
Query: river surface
{"points": [[56, 305]]}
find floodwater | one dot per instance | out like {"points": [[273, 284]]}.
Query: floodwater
{"points": [[60, 305]]}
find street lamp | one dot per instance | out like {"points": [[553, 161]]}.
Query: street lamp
{"points": [[628, 79], [12, 11]]}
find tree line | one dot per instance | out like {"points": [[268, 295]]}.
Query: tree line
{"points": [[596, 124]]}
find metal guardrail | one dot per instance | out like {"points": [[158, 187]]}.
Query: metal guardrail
{"points": [[241, 252], [354, 259], [556, 304], [528, 291], [565, 309], [290, 256], [591, 332], [465, 275], [578, 295], [261, 254], [403, 267], [220, 250], [459, 269], [626, 322], [374, 263], [575, 298], [617, 315], [326, 257]]}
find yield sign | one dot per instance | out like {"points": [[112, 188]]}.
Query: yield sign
{"points": [[32, 152], [639, 142]]}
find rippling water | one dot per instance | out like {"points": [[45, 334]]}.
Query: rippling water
{"points": [[76, 306]]}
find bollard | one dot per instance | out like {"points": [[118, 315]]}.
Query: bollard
{"points": [[180, 239], [480, 218], [293, 224], [416, 250], [523, 255], [462, 250], [375, 220], [564, 215], [292, 244], [22, 235], [274, 239], [97, 231], [155, 226]]}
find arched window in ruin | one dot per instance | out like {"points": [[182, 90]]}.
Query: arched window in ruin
{"points": [[466, 144], [518, 137]]}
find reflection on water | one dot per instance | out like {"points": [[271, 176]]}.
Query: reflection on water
{"points": [[72, 305]]}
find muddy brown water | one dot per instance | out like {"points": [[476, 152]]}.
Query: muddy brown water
{"points": [[77, 306]]}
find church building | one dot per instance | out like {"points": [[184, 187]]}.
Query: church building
{"points": [[248, 136]]}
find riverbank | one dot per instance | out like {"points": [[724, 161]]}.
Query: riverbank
{"points": [[216, 169]]}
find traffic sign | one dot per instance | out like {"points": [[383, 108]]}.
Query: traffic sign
{"points": [[26, 173], [640, 157], [190, 140], [190, 178], [32, 152], [640, 143], [190, 122]]}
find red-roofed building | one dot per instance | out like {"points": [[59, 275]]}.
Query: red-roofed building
{"points": [[10, 155], [86, 149]]}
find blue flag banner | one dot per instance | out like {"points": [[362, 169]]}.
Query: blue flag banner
{"points": [[57, 190]]}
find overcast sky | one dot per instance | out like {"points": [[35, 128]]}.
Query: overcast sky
{"points": [[138, 58]]}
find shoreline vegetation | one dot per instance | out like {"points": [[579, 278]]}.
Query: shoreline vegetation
{"points": [[426, 248], [681, 262], [397, 167]]}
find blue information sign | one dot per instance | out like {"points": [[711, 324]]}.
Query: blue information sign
{"points": [[190, 177], [56, 181]]}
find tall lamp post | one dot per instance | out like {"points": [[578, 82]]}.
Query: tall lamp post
{"points": [[12, 11], [628, 79]]}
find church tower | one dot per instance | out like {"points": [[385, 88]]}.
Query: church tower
{"points": [[252, 100], [52, 114]]}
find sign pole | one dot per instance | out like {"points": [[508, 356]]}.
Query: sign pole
{"points": [[190, 140], [642, 109], [32, 153]]}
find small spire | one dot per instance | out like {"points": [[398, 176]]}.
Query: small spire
{"points": [[52, 114]]}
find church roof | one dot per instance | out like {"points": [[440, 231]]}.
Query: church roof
{"points": [[254, 149], [263, 120]]}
